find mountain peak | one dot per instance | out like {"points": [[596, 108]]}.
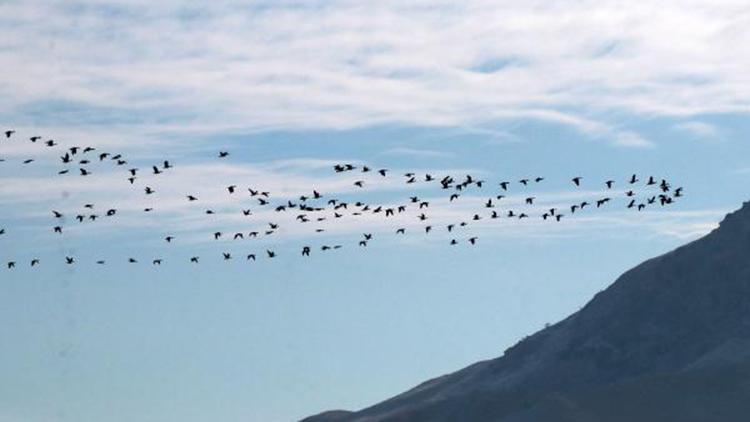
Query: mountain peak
{"points": [[738, 220]]}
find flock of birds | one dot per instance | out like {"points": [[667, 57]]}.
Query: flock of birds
{"points": [[317, 207]]}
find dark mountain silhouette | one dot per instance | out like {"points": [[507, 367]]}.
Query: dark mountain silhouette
{"points": [[668, 341]]}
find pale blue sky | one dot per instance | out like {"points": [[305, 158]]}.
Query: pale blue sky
{"points": [[505, 91]]}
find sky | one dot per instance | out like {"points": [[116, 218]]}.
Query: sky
{"points": [[502, 90]]}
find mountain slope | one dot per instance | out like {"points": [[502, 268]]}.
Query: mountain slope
{"points": [[677, 321]]}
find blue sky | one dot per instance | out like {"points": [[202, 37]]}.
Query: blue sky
{"points": [[503, 90]]}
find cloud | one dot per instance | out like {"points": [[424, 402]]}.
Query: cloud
{"points": [[699, 130], [631, 139], [418, 153], [345, 64]]}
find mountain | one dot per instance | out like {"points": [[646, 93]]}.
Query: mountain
{"points": [[669, 340]]}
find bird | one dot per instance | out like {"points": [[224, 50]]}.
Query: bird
{"points": [[609, 183], [69, 260], [231, 188], [577, 181], [11, 264], [34, 262], [8, 133], [473, 240], [169, 239], [270, 253], [223, 154]]}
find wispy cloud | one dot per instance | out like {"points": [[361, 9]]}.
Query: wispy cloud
{"points": [[698, 130], [342, 64], [634, 140], [417, 152]]}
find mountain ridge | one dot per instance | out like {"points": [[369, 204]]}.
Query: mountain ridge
{"points": [[671, 317]]}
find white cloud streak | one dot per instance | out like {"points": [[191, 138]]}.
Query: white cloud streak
{"points": [[343, 64]]}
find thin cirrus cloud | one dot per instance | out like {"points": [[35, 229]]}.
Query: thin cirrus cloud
{"points": [[417, 153], [346, 64], [699, 130]]}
